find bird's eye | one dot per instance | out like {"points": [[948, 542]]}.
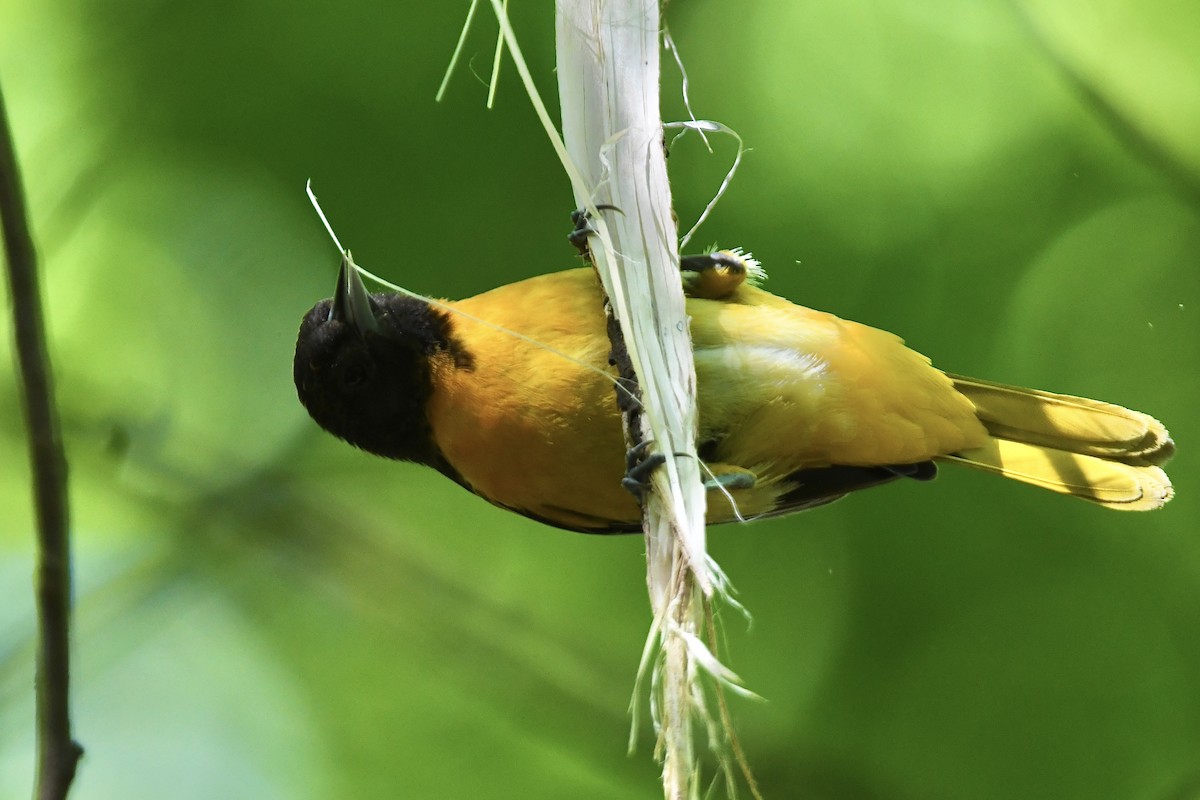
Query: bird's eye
{"points": [[355, 374]]}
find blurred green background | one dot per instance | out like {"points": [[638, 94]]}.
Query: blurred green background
{"points": [[264, 612]]}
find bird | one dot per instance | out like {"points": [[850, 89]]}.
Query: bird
{"points": [[510, 393]]}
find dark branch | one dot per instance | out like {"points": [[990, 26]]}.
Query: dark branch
{"points": [[58, 754]]}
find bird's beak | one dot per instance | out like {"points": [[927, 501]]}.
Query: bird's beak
{"points": [[351, 305]]}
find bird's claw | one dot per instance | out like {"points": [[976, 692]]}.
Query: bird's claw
{"points": [[639, 466], [713, 276], [731, 481], [583, 227]]}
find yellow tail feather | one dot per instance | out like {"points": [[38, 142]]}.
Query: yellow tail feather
{"points": [[1085, 448]]}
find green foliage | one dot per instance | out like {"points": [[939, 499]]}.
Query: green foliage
{"points": [[263, 612]]}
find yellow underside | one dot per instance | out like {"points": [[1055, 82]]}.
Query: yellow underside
{"points": [[781, 388]]}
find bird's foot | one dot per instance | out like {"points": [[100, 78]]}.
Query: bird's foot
{"points": [[639, 466], [713, 276], [583, 228], [730, 479]]}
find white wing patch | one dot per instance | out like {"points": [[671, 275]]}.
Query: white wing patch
{"points": [[758, 393], [759, 365]]}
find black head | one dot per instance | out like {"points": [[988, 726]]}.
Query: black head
{"points": [[363, 368]]}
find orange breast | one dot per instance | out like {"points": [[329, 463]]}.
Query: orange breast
{"points": [[533, 428], [781, 387]]}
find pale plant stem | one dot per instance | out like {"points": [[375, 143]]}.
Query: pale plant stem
{"points": [[608, 70]]}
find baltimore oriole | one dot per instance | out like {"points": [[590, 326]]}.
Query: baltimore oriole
{"points": [[797, 407]]}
